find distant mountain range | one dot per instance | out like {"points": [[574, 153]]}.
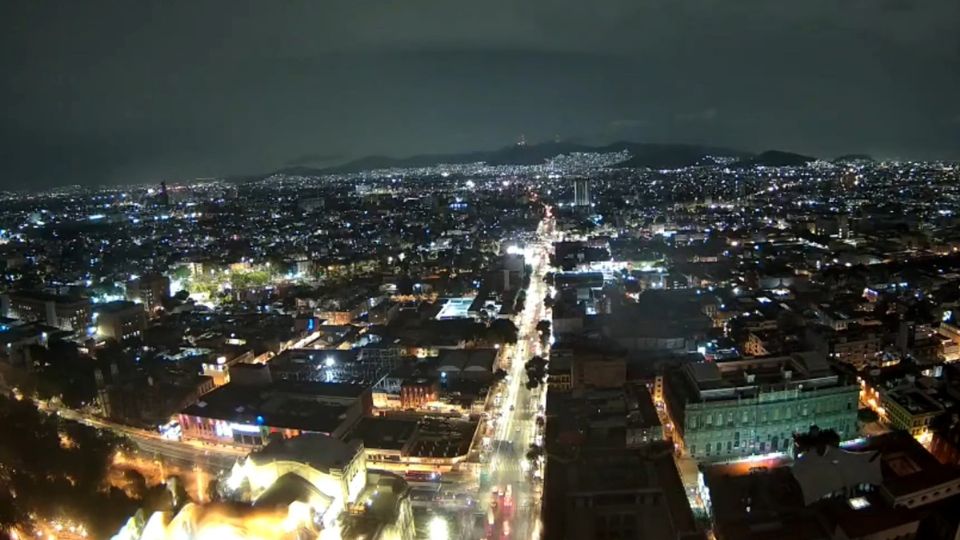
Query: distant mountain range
{"points": [[656, 156], [774, 158]]}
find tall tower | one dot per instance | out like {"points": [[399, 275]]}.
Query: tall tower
{"points": [[581, 192], [164, 196]]}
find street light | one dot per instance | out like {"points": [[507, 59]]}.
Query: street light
{"points": [[439, 529]]}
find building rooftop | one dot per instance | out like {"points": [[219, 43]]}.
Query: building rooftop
{"points": [[43, 296], [384, 433], [764, 504], [906, 465], [605, 473], [835, 470], [914, 400], [747, 377], [770, 500], [480, 360], [116, 306], [293, 405], [321, 452]]}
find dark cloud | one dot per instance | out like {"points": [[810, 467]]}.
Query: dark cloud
{"points": [[316, 160], [115, 91]]}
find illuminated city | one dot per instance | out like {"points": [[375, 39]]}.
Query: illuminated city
{"points": [[543, 270]]}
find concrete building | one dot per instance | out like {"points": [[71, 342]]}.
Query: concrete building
{"points": [[336, 468], [948, 341], [905, 400], [887, 487], [643, 423], [598, 372], [581, 192], [149, 290], [119, 320], [249, 414], [559, 373], [424, 444], [470, 364], [617, 493], [69, 313], [307, 487], [909, 408], [417, 392], [729, 409], [666, 320], [17, 338], [588, 365], [144, 400], [855, 345]]}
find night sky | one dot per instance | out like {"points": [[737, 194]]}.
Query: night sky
{"points": [[134, 91]]}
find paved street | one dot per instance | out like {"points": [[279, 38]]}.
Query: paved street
{"points": [[152, 444], [510, 491]]}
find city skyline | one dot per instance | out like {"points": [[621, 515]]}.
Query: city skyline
{"points": [[503, 270], [131, 94]]}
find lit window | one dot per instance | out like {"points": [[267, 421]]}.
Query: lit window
{"points": [[858, 503]]}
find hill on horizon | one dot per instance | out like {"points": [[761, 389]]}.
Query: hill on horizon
{"points": [[652, 155], [774, 158]]}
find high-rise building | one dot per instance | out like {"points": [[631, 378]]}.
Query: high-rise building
{"points": [[581, 192], [120, 320], [164, 196], [149, 290], [64, 312]]}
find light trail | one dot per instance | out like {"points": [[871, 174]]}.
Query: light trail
{"points": [[517, 514]]}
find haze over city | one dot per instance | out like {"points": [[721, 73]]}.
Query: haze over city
{"points": [[539, 270], [114, 92]]}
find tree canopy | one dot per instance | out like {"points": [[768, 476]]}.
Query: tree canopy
{"points": [[52, 469]]}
